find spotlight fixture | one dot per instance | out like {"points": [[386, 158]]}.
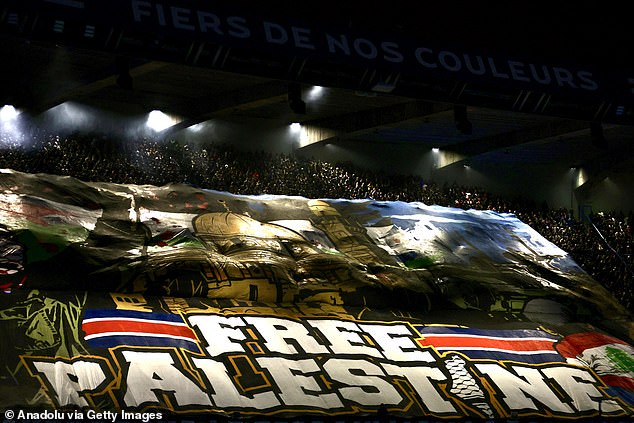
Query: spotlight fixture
{"points": [[460, 118], [295, 101], [316, 92], [8, 113], [159, 121]]}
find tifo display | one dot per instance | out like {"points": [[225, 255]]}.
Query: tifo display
{"points": [[180, 301]]}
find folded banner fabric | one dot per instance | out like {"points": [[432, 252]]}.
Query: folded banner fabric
{"points": [[172, 302]]}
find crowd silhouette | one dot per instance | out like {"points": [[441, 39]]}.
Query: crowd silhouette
{"points": [[601, 244]]}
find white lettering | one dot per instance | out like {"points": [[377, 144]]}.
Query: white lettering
{"points": [[580, 386], [96, 415], [455, 66], [160, 12], [181, 18], [278, 334], [586, 77], [239, 27], [519, 392], [275, 33], [68, 380], [420, 378], [149, 372], [341, 43], [366, 384], [140, 8], [220, 333], [564, 76], [295, 388], [301, 37], [209, 21], [545, 79], [481, 69], [494, 70], [396, 342], [344, 337], [517, 71], [226, 394], [391, 52], [419, 56], [365, 48]]}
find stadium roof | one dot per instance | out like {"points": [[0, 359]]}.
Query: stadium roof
{"points": [[536, 84]]}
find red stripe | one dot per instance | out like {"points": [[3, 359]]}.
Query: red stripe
{"points": [[574, 345], [620, 381], [471, 342], [92, 328]]}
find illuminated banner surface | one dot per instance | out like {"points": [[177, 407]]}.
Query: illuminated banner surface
{"points": [[176, 301]]}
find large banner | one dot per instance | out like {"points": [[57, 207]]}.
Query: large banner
{"points": [[145, 303]]}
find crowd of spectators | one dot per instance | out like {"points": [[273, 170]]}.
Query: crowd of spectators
{"points": [[602, 244]]}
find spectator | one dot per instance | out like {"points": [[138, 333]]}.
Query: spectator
{"points": [[605, 252]]}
